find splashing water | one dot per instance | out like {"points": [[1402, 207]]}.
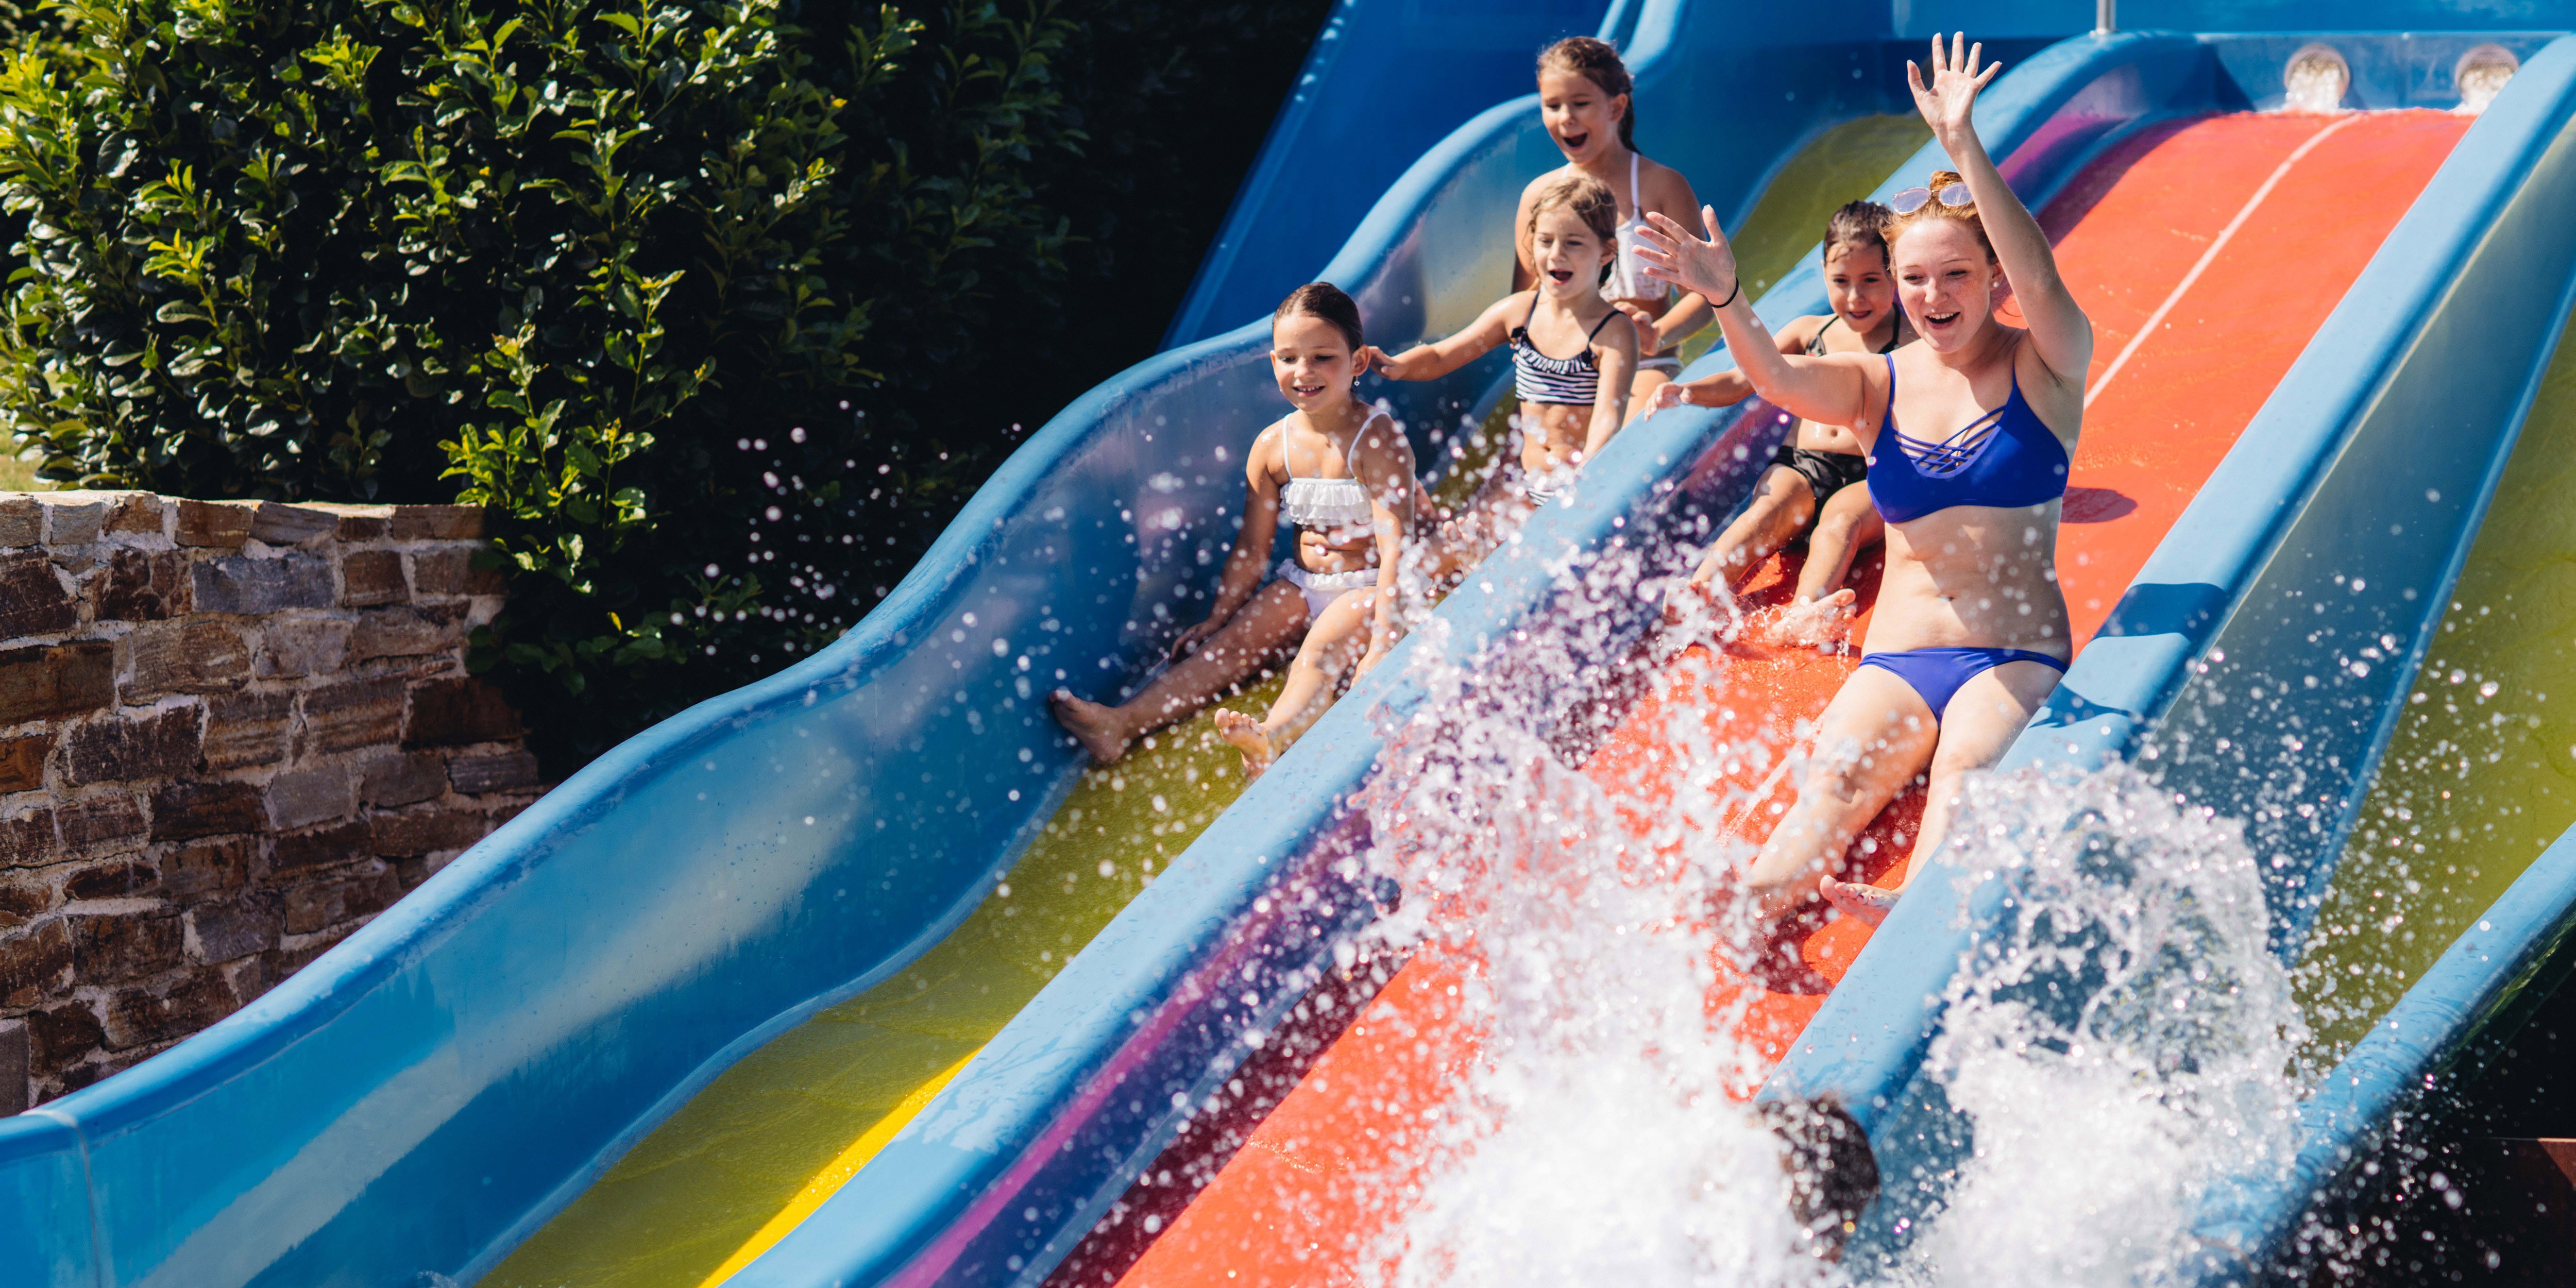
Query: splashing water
{"points": [[2117, 1039]]}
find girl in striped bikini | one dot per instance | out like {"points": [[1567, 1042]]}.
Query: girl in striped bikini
{"points": [[1572, 357]]}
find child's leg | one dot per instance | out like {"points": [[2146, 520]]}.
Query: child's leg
{"points": [[1824, 608], [1258, 632], [1334, 644], [1782, 503]]}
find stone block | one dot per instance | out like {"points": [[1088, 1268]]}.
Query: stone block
{"points": [[441, 570], [184, 657], [456, 711], [362, 522], [324, 904], [112, 946], [34, 962], [34, 599], [507, 771], [352, 714], [303, 797], [240, 584], [143, 586], [13, 1067], [111, 822], [407, 632], [221, 932], [60, 1036], [422, 831], [286, 961], [61, 680], [186, 811], [302, 646], [247, 730], [369, 578], [205, 869], [137, 512], [224, 525], [138, 1016], [115, 750], [248, 976], [22, 762], [280, 524], [27, 840], [437, 522], [321, 847], [403, 780], [114, 879], [22, 520], [73, 518], [23, 896]]}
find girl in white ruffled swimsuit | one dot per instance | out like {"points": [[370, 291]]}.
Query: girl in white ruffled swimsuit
{"points": [[1342, 475]]}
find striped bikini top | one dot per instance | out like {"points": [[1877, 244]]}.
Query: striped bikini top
{"points": [[1538, 378], [1338, 508], [2006, 457]]}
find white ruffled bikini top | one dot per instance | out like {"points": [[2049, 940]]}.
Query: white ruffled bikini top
{"points": [[1339, 508]]}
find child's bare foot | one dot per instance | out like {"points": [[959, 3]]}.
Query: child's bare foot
{"points": [[1816, 623], [1868, 903], [1700, 612], [1091, 724], [1248, 737]]}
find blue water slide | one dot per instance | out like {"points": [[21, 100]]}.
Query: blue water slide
{"points": [[430, 1091], [2330, 536], [1386, 80], [1004, 1171]]}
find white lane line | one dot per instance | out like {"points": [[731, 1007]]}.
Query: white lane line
{"points": [[2210, 255]]}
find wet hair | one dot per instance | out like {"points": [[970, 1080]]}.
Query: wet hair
{"points": [[1591, 202], [1933, 209], [1597, 62], [1325, 301], [1859, 225], [1833, 1176]]}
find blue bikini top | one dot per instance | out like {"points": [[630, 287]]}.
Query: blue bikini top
{"points": [[2003, 458]]}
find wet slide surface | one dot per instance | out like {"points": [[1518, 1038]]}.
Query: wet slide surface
{"points": [[2480, 773], [2206, 252]]}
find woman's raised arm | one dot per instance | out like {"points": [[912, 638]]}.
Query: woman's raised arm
{"points": [[2059, 330], [1831, 390]]}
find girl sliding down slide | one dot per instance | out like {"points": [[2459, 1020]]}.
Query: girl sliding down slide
{"points": [[1571, 355], [1589, 106], [1970, 430], [1808, 489], [1343, 475]]}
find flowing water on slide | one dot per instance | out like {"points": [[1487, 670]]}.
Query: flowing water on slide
{"points": [[1550, 1086], [771, 1138]]}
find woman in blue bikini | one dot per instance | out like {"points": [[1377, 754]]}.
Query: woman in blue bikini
{"points": [[1971, 632]]}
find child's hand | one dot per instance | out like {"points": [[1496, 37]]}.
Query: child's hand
{"points": [[1649, 340], [1373, 358], [1190, 639], [1949, 103], [1671, 393]]}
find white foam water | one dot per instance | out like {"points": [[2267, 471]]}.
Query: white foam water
{"points": [[2115, 1041]]}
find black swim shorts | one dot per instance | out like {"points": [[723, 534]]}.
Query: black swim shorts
{"points": [[1826, 472]]}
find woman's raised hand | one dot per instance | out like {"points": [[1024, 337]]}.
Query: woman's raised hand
{"points": [[1949, 104], [1672, 254]]}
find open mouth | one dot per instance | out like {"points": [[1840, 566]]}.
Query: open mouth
{"points": [[1574, 142], [1560, 276], [1307, 391], [1939, 319]]}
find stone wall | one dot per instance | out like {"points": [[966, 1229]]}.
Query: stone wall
{"points": [[230, 733]]}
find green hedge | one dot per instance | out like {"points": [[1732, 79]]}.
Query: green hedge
{"points": [[725, 310]]}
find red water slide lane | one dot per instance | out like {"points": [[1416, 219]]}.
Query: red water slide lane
{"points": [[2206, 252]]}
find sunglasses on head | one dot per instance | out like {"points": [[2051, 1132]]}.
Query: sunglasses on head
{"points": [[1953, 195]]}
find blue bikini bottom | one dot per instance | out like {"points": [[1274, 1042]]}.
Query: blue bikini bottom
{"points": [[1937, 673]]}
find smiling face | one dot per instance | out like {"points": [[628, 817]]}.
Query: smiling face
{"points": [[1583, 120], [1567, 255], [1311, 359], [1946, 279], [1859, 286]]}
